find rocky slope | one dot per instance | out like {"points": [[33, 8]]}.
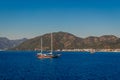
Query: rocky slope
{"points": [[64, 40]]}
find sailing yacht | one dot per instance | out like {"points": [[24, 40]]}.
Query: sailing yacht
{"points": [[41, 48], [49, 55]]}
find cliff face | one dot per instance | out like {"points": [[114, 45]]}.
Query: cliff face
{"points": [[63, 40]]}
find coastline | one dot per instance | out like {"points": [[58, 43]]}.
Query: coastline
{"points": [[92, 50], [75, 50]]}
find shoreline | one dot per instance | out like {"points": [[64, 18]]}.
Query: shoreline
{"points": [[75, 50]]}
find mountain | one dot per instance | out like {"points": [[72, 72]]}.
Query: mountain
{"points": [[64, 40], [106, 41], [5, 43]]}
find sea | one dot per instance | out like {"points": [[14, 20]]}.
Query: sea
{"points": [[24, 65]]}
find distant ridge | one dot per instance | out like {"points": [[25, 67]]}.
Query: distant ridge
{"points": [[5, 43], [64, 40]]}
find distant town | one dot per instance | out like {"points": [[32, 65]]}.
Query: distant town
{"points": [[86, 50], [92, 50]]}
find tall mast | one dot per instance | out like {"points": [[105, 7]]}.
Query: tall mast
{"points": [[51, 43], [41, 44]]}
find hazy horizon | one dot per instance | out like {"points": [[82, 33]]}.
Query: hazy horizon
{"points": [[55, 32], [83, 18]]}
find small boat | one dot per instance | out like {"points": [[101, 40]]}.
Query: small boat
{"points": [[49, 55]]}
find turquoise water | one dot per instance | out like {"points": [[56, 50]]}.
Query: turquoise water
{"points": [[24, 65]]}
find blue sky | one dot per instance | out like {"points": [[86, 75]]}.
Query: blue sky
{"points": [[83, 18]]}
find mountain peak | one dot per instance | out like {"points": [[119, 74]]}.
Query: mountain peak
{"points": [[108, 38], [65, 40]]}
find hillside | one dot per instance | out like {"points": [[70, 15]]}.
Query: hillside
{"points": [[5, 43], [64, 40]]}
